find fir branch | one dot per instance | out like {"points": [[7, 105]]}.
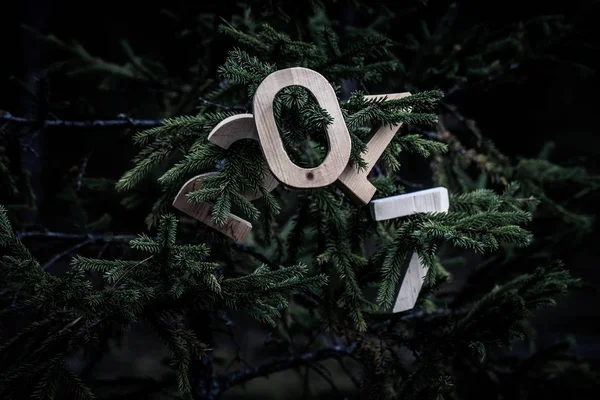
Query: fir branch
{"points": [[165, 286], [479, 221], [223, 106], [88, 238], [508, 304]]}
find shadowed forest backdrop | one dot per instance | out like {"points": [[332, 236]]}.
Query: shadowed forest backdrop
{"points": [[523, 77]]}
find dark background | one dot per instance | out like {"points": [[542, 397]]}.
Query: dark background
{"points": [[553, 102]]}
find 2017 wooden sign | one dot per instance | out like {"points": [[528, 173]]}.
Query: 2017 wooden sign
{"points": [[261, 126], [334, 169]]}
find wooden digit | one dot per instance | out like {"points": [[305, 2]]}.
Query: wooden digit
{"points": [[224, 135], [232, 129], [235, 227], [337, 133], [354, 182], [430, 200]]}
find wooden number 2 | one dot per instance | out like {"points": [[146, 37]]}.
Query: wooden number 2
{"points": [[337, 133], [224, 135], [430, 200]]}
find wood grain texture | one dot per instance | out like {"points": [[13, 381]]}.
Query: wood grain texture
{"points": [[430, 200], [236, 228], [354, 182], [227, 132], [411, 285], [337, 134], [234, 128]]}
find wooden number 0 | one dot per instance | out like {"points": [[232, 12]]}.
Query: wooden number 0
{"points": [[337, 133], [224, 135]]}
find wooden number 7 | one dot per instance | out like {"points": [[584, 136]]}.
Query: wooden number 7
{"points": [[227, 132], [354, 183], [430, 200]]}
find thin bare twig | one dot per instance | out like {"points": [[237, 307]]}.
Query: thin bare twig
{"points": [[244, 248], [122, 121], [80, 236], [489, 78], [530, 198], [408, 183], [225, 382], [231, 333], [222, 106], [82, 170], [114, 285], [327, 378], [29, 148], [345, 368], [66, 252]]}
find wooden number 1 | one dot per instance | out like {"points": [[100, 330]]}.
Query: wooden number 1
{"points": [[337, 133], [223, 135], [354, 182]]}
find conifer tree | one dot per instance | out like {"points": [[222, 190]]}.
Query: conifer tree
{"points": [[317, 267]]}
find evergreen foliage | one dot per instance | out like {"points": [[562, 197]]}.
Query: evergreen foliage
{"points": [[172, 284], [300, 120], [315, 264]]}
